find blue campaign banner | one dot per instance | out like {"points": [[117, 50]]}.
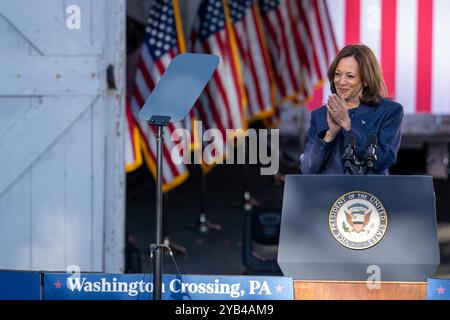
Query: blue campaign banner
{"points": [[23, 285], [438, 289], [63, 286]]}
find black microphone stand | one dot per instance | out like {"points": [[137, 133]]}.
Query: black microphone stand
{"points": [[349, 157], [348, 167], [370, 157], [369, 167], [203, 225]]}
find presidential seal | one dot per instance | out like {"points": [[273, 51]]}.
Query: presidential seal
{"points": [[358, 220]]}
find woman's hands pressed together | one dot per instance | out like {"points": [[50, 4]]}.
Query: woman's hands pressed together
{"points": [[338, 114]]}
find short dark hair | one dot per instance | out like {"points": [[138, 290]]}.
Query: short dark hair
{"points": [[369, 69]]}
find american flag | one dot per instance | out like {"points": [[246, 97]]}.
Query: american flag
{"points": [[252, 48], [301, 43], [163, 41], [133, 155], [222, 104], [409, 39]]}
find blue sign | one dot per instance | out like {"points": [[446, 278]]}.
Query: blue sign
{"points": [[438, 289], [20, 285], [63, 286]]}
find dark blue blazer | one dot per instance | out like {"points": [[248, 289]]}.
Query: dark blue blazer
{"points": [[383, 119]]}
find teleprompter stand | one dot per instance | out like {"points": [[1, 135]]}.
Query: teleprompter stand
{"points": [[170, 101]]}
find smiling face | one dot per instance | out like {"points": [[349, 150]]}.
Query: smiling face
{"points": [[347, 80]]}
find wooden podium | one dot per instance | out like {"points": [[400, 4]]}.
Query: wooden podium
{"points": [[358, 290]]}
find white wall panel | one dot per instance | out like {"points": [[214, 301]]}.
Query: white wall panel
{"points": [[15, 225], [62, 180]]}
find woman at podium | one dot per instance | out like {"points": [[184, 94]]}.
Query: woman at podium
{"points": [[358, 129]]}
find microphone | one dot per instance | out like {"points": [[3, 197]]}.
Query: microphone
{"points": [[349, 152], [371, 148]]}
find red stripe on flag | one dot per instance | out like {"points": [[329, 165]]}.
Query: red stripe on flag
{"points": [[330, 27], [317, 99], [424, 54], [160, 66], [310, 41], [213, 108], [212, 102], [140, 101], [226, 46], [264, 70], [388, 43], [149, 151], [286, 51], [137, 96], [199, 108], [352, 21], [166, 154], [244, 53], [245, 59], [218, 82], [171, 128], [249, 61], [320, 23], [144, 71], [300, 44], [261, 42], [273, 36]]}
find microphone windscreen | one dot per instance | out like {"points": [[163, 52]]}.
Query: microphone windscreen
{"points": [[371, 139]]}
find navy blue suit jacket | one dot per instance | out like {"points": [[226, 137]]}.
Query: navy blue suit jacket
{"points": [[383, 119]]}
